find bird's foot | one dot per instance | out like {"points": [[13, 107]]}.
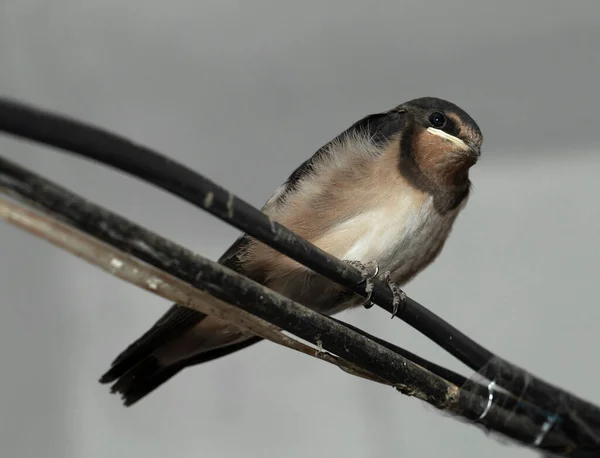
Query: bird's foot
{"points": [[399, 295], [368, 271]]}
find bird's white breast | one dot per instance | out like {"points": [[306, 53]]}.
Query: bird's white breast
{"points": [[402, 235]]}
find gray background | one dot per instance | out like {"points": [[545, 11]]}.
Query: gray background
{"points": [[243, 92]]}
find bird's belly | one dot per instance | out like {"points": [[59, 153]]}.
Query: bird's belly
{"points": [[402, 242]]}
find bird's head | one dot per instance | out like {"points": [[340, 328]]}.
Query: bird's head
{"points": [[440, 139]]}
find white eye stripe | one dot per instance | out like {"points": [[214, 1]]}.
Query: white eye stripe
{"points": [[446, 136]]}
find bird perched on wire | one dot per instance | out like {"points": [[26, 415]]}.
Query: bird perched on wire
{"points": [[383, 195]]}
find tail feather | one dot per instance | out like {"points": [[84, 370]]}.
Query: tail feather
{"points": [[137, 371], [143, 379], [119, 369], [133, 381]]}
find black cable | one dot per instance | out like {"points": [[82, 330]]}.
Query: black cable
{"points": [[446, 374]]}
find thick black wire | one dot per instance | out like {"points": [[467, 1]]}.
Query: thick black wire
{"points": [[85, 140]]}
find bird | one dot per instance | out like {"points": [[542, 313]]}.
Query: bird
{"points": [[382, 196]]}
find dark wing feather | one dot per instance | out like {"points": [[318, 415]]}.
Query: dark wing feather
{"points": [[174, 322], [149, 375]]}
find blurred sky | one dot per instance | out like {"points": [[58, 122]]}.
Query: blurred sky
{"points": [[243, 92]]}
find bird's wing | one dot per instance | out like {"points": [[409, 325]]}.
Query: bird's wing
{"points": [[173, 323]]}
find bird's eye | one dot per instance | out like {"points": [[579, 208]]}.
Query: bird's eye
{"points": [[437, 119]]}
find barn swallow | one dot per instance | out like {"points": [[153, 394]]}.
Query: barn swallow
{"points": [[383, 196]]}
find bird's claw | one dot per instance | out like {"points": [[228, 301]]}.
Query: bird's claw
{"points": [[398, 294], [367, 277]]}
